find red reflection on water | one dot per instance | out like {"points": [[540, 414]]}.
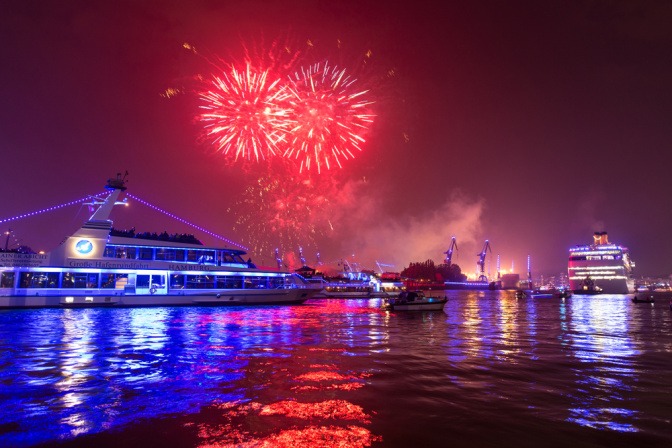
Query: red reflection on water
{"points": [[323, 366], [286, 407], [324, 375], [334, 409], [347, 386], [230, 432], [316, 436]]}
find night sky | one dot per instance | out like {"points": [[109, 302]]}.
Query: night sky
{"points": [[529, 123]]}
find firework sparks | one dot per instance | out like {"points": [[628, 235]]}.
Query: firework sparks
{"points": [[287, 211], [244, 114], [329, 117]]}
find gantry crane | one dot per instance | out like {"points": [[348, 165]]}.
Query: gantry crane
{"points": [[449, 252], [481, 261]]}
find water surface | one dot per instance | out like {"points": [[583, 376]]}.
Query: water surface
{"points": [[490, 370]]}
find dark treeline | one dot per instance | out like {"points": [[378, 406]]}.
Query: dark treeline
{"points": [[427, 270]]}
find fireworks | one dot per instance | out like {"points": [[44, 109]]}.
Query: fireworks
{"points": [[285, 211], [316, 117], [243, 113], [299, 116], [329, 117]]}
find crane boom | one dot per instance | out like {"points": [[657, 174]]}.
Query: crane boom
{"points": [[481, 261], [449, 252]]}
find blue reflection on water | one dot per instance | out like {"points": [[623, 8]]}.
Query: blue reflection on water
{"points": [[548, 365], [601, 340], [68, 372]]}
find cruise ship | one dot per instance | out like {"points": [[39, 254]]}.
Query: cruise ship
{"points": [[600, 268], [98, 266]]}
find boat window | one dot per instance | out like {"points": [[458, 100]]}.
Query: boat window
{"points": [[38, 279], [206, 257], [229, 282], [145, 253], [177, 281], [114, 281], [180, 254], [200, 282], [79, 280], [165, 254], [227, 258], [276, 282], [7, 280], [192, 255], [142, 281], [158, 281], [256, 282], [122, 252]]}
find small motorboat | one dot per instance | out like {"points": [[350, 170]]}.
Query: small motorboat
{"points": [[588, 288], [550, 293], [648, 299], [414, 301]]}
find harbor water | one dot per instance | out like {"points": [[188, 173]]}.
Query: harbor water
{"points": [[488, 370]]}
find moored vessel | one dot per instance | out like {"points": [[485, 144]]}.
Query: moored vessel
{"points": [[346, 290], [415, 301], [600, 268], [98, 266]]}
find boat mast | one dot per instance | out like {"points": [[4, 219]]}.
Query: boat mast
{"points": [[116, 186]]}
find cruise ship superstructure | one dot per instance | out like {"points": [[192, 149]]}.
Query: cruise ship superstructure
{"points": [[97, 266], [601, 267]]}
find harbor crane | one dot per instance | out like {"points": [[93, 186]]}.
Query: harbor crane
{"points": [[481, 261], [449, 252]]}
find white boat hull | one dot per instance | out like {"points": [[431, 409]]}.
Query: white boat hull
{"points": [[225, 297]]}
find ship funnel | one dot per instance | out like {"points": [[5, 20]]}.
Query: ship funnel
{"points": [[600, 238]]}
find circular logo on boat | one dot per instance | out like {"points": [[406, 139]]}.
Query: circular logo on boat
{"points": [[84, 246]]}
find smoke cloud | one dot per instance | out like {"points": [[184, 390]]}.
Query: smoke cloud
{"points": [[401, 240]]}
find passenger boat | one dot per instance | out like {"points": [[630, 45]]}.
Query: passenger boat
{"points": [[415, 301], [98, 266], [346, 290], [550, 293], [349, 284], [600, 268]]}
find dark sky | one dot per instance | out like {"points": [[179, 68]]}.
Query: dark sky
{"points": [[531, 124]]}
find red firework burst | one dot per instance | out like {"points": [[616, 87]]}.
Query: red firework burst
{"points": [[329, 117], [286, 211], [244, 113]]}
